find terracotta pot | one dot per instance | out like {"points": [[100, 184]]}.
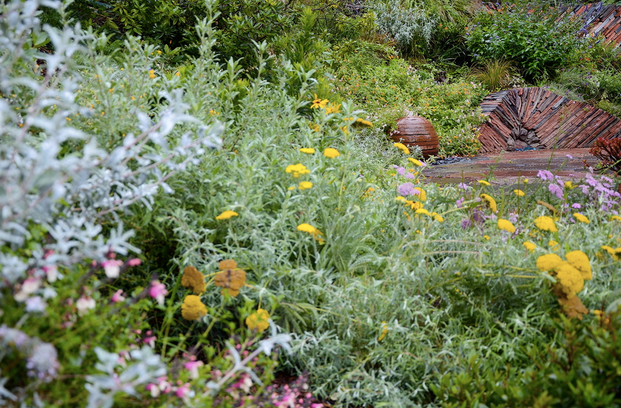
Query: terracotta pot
{"points": [[417, 131]]}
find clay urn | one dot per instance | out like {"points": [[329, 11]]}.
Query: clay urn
{"points": [[417, 131]]}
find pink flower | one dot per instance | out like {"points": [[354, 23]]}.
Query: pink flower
{"points": [[150, 339], [183, 390], [112, 267], [158, 291], [30, 286], [192, 367], [556, 190], [154, 389], [52, 273], [118, 296], [134, 262]]}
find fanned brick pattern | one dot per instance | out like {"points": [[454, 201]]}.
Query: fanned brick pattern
{"points": [[535, 118]]}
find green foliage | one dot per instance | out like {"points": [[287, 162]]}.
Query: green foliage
{"points": [[494, 74], [532, 37], [581, 368]]}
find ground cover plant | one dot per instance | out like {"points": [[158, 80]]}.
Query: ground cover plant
{"points": [[231, 233]]}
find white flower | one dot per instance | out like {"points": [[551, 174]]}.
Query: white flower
{"points": [[85, 303], [112, 267]]}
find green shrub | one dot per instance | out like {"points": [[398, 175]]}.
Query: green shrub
{"points": [[532, 37]]}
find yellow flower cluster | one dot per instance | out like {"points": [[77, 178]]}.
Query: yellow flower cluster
{"points": [[331, 153], [314, 232], [545, 224], [615, 253], [506, 225], [297, 170], [570, 274], [258, 320], [402, 147], [230, 278], [490, 201], [226, 215], [193, 280], [192, 308]]}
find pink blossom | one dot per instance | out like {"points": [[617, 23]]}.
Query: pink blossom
{"points": [[154, 389], [158, 291], [134, 262], [150, 339], [112, 267], [556, 190], [316, 405], [52, 273], [30, 286], [118, 296], [183, 390], [545, 175], [192, 367]]}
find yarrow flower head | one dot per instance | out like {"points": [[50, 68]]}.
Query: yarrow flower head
{"points": [[384, 332], [581, 218], [307, 150], [192, 308], [305, 185], [314, 232], [193, 280], [297, 170], [415, 162], [490, 202], [230, 278], [545, 224], [331, 153], [258, 320], [580, 261], [402, 147], [530, 246], [519, 193], [615, 253], [226, 215], [483, 182], [506, 225]]}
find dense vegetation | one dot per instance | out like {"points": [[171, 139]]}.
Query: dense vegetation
{"points": [[199, 206]]}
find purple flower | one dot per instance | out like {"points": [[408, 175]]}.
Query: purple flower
{"points": [[545, 175], [35, 304], [406, 189], [460, 202], [556, 190], [409, 176], [466, 223], [463, 186], [569, 156], [576, 205]]}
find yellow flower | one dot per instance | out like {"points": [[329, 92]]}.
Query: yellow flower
{"points": [[437, 217], [331, 153], [319, 103], [581, 218], [364, 123], [422, 211], [400, 198], [519, 193], [615, 218], [230, 278], [297, 170], [151, 74], [414, 205], [193, 280], [569, 185], [525, 181], [530, 246], [402, 147], [312, 231], [384, 332], [259, 320], [305, 185], [307, 150], [291, 188], [415, 162], [553, 244], [545, 224], [192, 308], [614, 252], [490, 201], [333, 108], [569, 278], [483, 182], [580, 261], [345, 130], [226, 215], [548, 262], [421, 193], [486, 237], [506, 225]]}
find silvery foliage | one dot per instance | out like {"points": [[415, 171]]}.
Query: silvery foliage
{"points": [[406, 25], [69, 194], [144, 367]]}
